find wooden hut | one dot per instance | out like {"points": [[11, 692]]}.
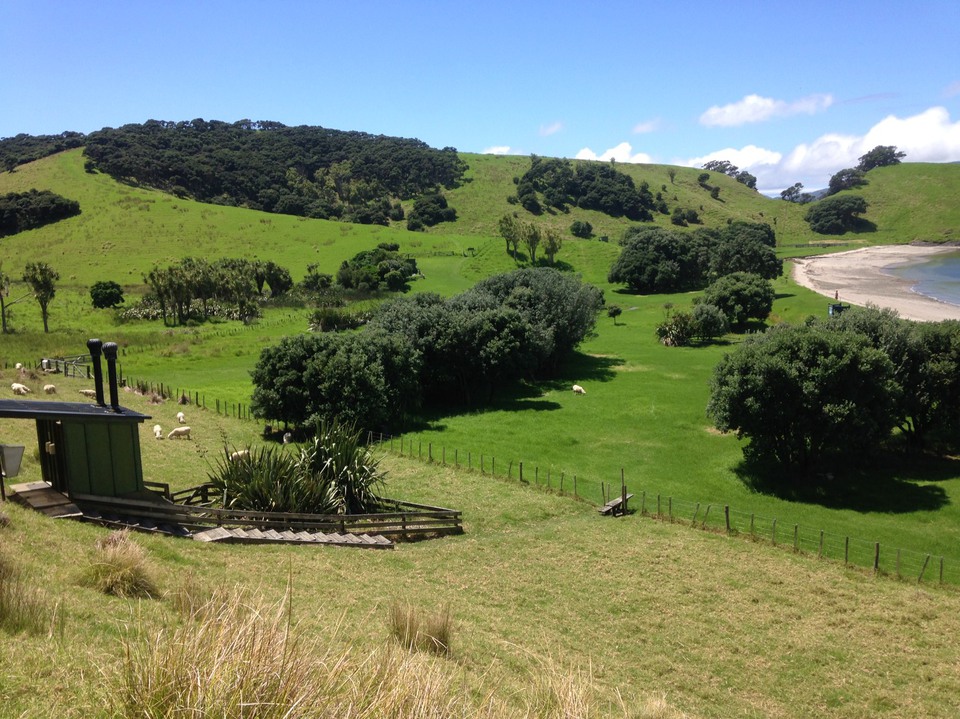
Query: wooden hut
{"points": [[91, 449]]}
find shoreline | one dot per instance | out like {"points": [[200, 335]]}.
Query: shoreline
{"points": [[859, 278]]}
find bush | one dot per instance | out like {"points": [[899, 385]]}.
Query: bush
{"points": [[837, 215], [709, 322], [107, 294], [581, 228], [677, 330], [741, 296]]}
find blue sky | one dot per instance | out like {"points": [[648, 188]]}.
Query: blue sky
{"points": [[791, 92]]}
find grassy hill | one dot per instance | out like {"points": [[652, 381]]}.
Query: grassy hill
{"points": [[540, 585], [542, 592]]}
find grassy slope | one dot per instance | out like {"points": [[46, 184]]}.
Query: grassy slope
{"points": [[722, 627]]}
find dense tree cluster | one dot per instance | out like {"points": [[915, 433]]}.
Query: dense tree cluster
{"points": [[795, 193], [456, 350], [106, 294], [24, 148], [846, 179], [532, 236], [557, 183], [430, 209], [307, 171], [837, 215], [731, 170], [381, 267], [21, 211], [820, 396], [197, 288], [880, 156], [655, 260]]}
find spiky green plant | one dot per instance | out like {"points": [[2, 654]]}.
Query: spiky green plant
{"points": [[339, 455]]}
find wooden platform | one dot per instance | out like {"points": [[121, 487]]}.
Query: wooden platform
{"points": [[271, 536], [45, 499], [616, 506]]}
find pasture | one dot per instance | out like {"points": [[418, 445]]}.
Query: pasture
{"points": [[718, 626]]}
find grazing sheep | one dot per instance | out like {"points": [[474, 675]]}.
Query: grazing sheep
{"points": [[179, 433], [88, 392], [50, 388], [18, 366], [287, 437], [180, 418], [239, 454], [20, 388], [577, 389], [157, 431]]}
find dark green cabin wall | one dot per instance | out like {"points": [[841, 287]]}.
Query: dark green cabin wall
{"points": [[103, 458]]}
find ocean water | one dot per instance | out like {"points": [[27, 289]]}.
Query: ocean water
{"points": [[938, 277]]}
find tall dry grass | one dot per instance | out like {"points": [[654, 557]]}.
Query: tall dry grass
{"points": [[238, 658], [120, 568], [24, 608], [416, 630]]}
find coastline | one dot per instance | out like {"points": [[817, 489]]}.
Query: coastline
{"points": [[859, 278]]}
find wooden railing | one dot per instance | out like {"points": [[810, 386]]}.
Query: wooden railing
{"points": [[403, 520]]}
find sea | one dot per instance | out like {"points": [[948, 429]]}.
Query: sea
{"points": [[938, 277]]}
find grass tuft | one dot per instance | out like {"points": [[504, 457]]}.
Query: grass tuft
{"points": [[418, 631], [120, 568], [24, 608]]}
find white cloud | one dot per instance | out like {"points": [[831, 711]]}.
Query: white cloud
{"points": [[754, 108], [551, 129], [644, 127], [621, 153], [929, 136], [497, 150]]}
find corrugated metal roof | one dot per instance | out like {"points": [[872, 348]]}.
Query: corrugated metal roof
{"points": [[39, 409]]}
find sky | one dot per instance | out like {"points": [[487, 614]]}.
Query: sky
{"points": [[789, 91]]}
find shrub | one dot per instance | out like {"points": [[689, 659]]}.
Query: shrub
{"points": [[581, 228], [741, 296], [120, 568], [709, 322], [677, 330]]}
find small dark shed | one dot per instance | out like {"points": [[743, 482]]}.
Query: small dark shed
{"points": [[87, 448]]}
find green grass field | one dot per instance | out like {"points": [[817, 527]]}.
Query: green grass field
{"points": [[721, 626]]}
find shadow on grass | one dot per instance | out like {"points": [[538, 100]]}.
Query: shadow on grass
{"points": [[896, 483], [523, 396]]}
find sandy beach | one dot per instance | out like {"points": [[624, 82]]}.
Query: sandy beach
{"points": [[859, 278]]}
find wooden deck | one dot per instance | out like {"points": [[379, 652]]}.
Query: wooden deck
{"points": [[45, 499]]}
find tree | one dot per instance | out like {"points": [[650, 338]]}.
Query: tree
{"points": [[614, 311], [723, 166], [836, 215], [672, 174], [581, 228], [531, 236], [741, 296], [4, 296], [552, 242], [106, 294], [846, 179], [709, 322], [654, 260], [880, 156], [805, 398], [744, 247], [43, 280], [794, 193], [745, 178], [510, 230]]}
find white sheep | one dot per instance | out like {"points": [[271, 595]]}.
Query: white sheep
{"points": [[239, 454], [157, 431], [179, 433], [50, 388], [577, 389], [18, 365], [20, 388], [287, 437], [180, 418]]}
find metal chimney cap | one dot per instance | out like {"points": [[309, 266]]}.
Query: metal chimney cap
{"points": [[94, 346], [110, 349]]}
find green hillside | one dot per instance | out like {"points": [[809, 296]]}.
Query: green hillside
{"points": [[679, 621]]}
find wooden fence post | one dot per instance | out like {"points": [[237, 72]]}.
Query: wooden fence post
{"points": [[521, 471], [726, 517], [876, 557], [774, 532], [846, 550], [796, 537], [923, 569], [820, 550]]}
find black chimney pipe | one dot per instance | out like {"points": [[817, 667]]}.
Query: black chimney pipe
{"points": [[110, 352], [95, 346]]}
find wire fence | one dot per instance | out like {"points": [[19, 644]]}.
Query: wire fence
{"points": [[905, 564]]}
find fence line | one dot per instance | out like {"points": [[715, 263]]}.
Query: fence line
{"points": [[905, 564]]}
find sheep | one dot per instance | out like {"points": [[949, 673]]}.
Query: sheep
{"points": [[180, 418], [287, 437], [88, 392], [577, 389], [239, 454], [157, 431], [50, 388], [20, 388], [18, 366], [179, 433]]}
